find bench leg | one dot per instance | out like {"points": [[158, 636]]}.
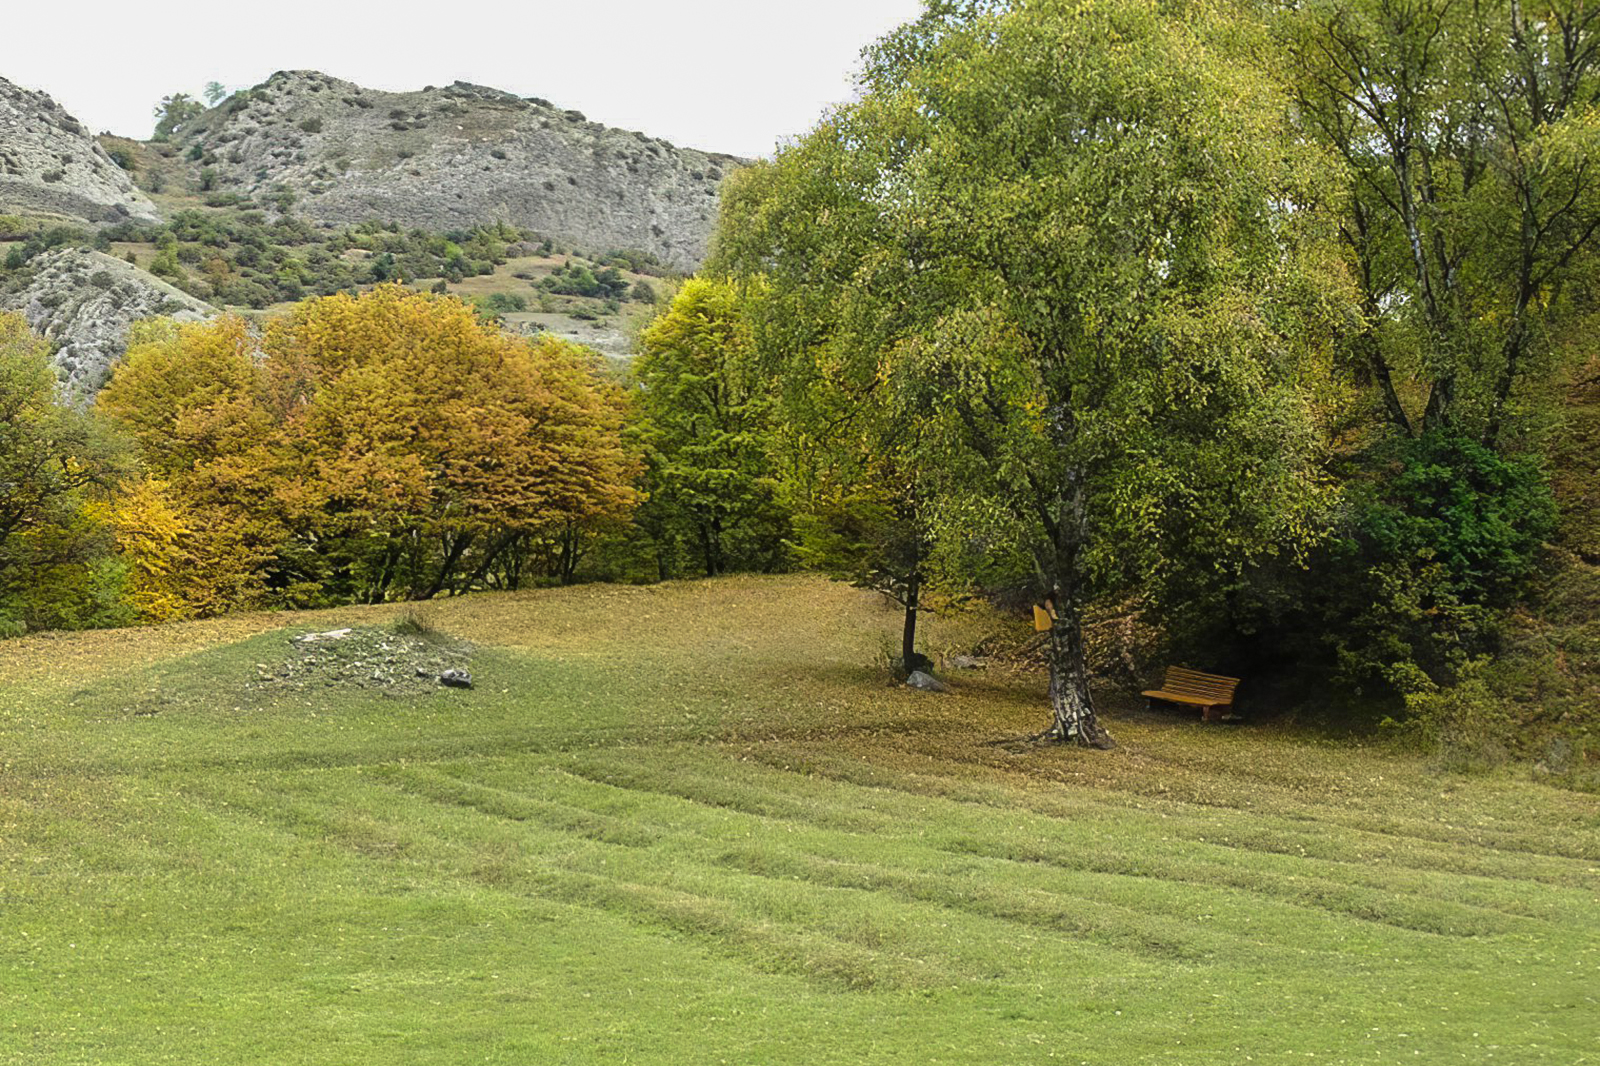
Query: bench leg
{"points": [[1211, 714]]}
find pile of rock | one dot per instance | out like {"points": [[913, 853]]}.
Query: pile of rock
{"points": [[397, 664]]}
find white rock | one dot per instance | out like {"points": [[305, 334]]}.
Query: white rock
{"points": [[926, 682], [318, 638]]}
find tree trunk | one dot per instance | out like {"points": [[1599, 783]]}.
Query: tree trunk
{"points": [[1073, 718], [571, 554], [708, 547], [490, 557], [719, 558], [908, 635], [380, 590], [455, 547], [1071, 704]]}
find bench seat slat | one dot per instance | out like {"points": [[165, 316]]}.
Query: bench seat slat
{"points": [[1198, 673], [1180, 697], [1179, 678]]}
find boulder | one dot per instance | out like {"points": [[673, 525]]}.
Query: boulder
{"points": [[924, 682]]}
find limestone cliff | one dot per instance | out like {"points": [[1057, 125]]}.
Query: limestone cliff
{"points": [[51, 167], [450, 158], [84, 301]]}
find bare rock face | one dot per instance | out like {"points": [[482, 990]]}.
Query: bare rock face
{"points": [[452, 158], [84, 301], [50, 166]]}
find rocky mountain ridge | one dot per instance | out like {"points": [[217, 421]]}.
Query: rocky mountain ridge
{"points": [[51, 167], [329, 152], [84, 301], [442, 159]]}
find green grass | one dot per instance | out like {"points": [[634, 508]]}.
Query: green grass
{"points": [[690, 824]]}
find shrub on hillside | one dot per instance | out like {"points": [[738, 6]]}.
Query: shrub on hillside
{"points": [[1433, 546]]}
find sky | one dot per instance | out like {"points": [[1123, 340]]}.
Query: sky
{"points": [[737, 76]]}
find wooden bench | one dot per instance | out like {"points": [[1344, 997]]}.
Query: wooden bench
{"points": [[1210, 692]]}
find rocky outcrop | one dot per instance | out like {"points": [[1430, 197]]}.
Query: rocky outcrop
{"points": [[51, 167], [451, 158], [84, 301]]}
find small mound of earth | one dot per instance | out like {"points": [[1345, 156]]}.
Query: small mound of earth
{"points": [[397, 664]]}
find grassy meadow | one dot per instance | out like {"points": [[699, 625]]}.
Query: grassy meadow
{"points": [[693, 824]]}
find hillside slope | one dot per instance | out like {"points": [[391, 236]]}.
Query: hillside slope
{"points": [[51, 167], [84, 301], [452, 158], [668, 827]]}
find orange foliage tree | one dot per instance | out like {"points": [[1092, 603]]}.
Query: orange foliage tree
{"points": [[379, 446]]}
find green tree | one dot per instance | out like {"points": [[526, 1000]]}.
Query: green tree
{"points": [[214, 93], [860, 515], [174, 111], [1077, 240], [1431, 551], [848, 457], [55, 559], [1471, 141], [705, 421]]}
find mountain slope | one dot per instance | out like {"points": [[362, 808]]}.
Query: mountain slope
{"points": [[452, 158], [84, 301], [50, 166]]}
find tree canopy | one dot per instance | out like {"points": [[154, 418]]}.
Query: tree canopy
{"points": [[364, 445], [1470, 212], [704, 419], [1075, 241], [55, 462]]}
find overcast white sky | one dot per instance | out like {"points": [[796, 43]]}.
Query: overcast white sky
{"points": [[722, 75]]}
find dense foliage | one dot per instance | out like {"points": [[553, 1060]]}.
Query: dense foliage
{"points": [[1429, 551], [1471, 207], [1091, 285], [380, 445], [705, 423], [56, 567], [361, 448]]}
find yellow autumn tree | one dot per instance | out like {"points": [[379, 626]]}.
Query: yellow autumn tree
{"points": [[361, 447], [181, 562], [439, 443], [201, 531]]}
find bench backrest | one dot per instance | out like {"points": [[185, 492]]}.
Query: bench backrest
{"points": [[1186, 682]]}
